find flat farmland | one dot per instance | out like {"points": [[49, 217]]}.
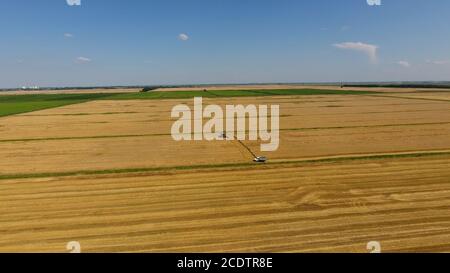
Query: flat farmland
{"points": [[351, 168], [320, 207], [129, 134]]}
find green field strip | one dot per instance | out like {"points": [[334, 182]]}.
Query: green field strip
{"points": [[232, 93], [18, 104], [211, 93], [250, 165], [311, 92], [240, 93]]}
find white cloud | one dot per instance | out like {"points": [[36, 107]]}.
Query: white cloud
{"points": [[404, 63], [183, 37], [68, 35], [81, 60], [368, 49], [438, 62]]}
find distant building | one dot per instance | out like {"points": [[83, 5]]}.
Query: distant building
{"points": [[31, 87]]}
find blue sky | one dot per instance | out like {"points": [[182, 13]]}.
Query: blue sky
{"points": [[138, 42]]}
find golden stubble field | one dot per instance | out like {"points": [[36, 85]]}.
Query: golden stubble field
{"points": [[288, 205]]}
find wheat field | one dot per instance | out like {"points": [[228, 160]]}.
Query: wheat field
{"points": [[350, 169]]}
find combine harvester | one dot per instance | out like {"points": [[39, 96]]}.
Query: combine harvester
{"points": [[256, 159]]}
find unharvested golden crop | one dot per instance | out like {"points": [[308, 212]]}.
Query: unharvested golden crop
{"points": [[350, 169]]}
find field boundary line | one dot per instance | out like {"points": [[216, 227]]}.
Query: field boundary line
{"points": [[337, 158], [406, 98], [368, 156], [247, 131]]}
